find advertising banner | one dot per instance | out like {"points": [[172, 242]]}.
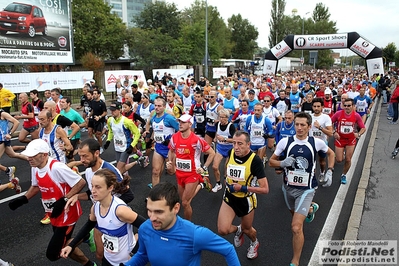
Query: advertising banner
{"points": [[36, 32], [280, 49], [362, 47], [219, 71], [113, 76], [24, 82], [176, 73], [321, 41]]}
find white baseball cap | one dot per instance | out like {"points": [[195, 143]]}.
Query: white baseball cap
{"points": [[35, 147], [187, 118], [327, 91]]}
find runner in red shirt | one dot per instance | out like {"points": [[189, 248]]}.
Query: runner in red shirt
{"points": [[30, 125], [56, 183], [184, 157], [329, 103], [345, 124]]}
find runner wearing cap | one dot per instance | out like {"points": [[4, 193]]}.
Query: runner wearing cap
{"points": [[184, 159], [329, 103], [125, 135], [57, 183]]}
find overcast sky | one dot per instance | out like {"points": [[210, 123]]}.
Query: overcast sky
{"points": [[375, 21]]}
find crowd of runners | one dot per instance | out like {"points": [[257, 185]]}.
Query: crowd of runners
{"points": [[237, 127]]}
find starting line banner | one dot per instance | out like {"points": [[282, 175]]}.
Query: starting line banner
{"points": [[41, 81], [350, 40]]}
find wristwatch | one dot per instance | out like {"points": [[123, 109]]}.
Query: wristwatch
{"points": [[205, 168], [320, 127]]}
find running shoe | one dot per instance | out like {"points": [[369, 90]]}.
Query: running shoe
{"points": [[11, 172], [393, 123], [239, 237], [292, 264], [9, 264], [207, 183], [389, 118], [205, 173], [17, 187], [217, 187], [149, 185], [135, 156], [46, 219], [141, 161], [343, 179], [101, 150], [103, 137], [265, 160], [253, 250], [310, 216]]}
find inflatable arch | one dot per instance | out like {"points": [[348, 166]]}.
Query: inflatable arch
{"points": [[351, 40]]}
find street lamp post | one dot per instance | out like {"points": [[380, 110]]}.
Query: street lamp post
{"points": [[206, 38], [303, 32]]}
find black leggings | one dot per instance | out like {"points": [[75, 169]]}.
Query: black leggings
{"points": [[57, 242]]}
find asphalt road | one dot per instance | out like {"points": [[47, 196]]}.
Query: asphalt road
{"points": [[23, 239]]}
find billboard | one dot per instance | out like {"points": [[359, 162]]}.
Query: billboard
{"points": [[113, 76], [175, 72], [24, 82], [36, 32]]}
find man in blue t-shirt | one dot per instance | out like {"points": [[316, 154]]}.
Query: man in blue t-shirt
{"points": [[166, 239]]}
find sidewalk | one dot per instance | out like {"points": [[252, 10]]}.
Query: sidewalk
{"points": [[380, 215]]}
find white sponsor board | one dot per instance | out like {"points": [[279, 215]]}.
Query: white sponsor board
{"points": [[219, 71], [41, 81], [375, 66], [111, 77], [362, 47], [175, 73], [36, 32], [269, 66], [281, 49], [321, 41]]}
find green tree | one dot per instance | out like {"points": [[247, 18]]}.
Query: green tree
{"points": [[244, 36], [389, 53], [276, 23], [97, 30], [164, 17]]}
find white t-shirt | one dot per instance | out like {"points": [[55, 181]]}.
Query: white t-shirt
{"points": [[324, 121]]}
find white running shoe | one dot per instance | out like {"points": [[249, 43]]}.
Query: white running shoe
{"points": [[217, 187]]}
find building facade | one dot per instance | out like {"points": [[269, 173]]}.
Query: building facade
{"points": [[127, 9]]}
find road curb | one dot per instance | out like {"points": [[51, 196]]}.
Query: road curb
{"points": [[358, 206], [355, 217], [339, 201]]}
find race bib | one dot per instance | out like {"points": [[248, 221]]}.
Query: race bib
{"points": [[346, 129], [47, 203], [298, 178], [236, 172], [183, 165], [120, 145], [317, 134], [111, 243], [327, 111], [199, 118], [257, 132], [159, 137], [361, 109]]}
